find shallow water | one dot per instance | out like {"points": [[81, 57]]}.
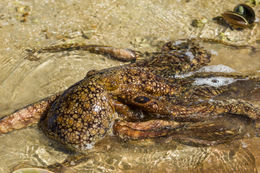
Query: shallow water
{"points": [[140, 25]]}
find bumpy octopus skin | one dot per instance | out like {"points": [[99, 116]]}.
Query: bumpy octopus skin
{"points": [[139, 100]]}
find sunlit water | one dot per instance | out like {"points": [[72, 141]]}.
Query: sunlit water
{"points": [[140, 25]]}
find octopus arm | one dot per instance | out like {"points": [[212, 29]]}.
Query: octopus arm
{"points": [[212, 132], [26, 116], [116, 53], [147, 129]]}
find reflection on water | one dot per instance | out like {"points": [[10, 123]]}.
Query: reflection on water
{"points": [[113, 155], [167, 157], [140, 25]]}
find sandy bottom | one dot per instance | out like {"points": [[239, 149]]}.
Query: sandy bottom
{"points": [[140, 25]]}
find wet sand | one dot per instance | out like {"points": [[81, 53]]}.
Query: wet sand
{"points": [[140, 25]]}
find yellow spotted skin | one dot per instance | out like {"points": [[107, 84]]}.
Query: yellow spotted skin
{"points": [[81, 115], [144, 99]]}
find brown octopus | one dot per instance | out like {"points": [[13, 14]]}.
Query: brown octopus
{"points": [[143, 99]]}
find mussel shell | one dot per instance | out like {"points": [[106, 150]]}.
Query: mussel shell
{"points": [[235, 20], [246, 11], [32, 170]]}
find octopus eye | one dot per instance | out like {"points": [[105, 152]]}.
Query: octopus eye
{"points": [[141, 99]]}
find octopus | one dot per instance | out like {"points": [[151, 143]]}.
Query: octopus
{"points": [[150, 97]]}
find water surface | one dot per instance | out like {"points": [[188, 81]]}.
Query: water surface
{"points": [[140, 25]]}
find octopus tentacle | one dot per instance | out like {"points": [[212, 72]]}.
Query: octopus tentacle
{"points": [[126, 112], [213, 132], [212, 108], [27, 116], [117, 53], [147, 129], [180, 56], [237, 106]]}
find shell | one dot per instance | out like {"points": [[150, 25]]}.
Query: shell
{"points": [[246, 11], [235, 20], [243, 16], [32, 170]]}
